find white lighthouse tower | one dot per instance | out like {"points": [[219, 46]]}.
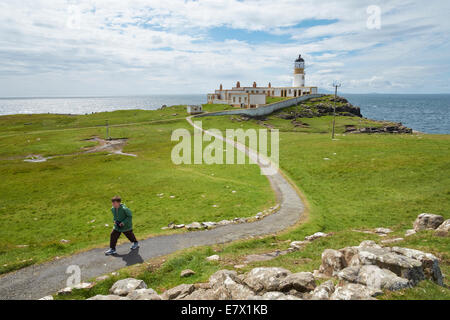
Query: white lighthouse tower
{"points": [[299, 72]]}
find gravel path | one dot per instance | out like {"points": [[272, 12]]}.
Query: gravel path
{"points": [[36, 281]]}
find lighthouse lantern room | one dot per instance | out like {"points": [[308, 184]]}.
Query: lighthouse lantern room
{"points": [[299, 72]]}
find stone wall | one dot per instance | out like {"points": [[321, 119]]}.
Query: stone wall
{"points": [[265, 110]]}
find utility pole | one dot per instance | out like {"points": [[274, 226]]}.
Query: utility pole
{"points": [[107, 130], [335, 85]]}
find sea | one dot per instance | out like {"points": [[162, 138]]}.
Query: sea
{"points": [[429, 113]]}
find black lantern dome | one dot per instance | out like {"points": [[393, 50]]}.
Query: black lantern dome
{"points": [[299, 59]]}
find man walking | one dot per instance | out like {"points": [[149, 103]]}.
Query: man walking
{"points": [[122, 224]]}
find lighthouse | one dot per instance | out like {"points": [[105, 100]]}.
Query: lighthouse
{"points": [[299, 72]]}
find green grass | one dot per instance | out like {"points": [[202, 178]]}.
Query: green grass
{"points": [[270, 100], [43, 203], [369, 181]]}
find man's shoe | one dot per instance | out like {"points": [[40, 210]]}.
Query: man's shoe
{"points": [[135, 245], [110, 252]]}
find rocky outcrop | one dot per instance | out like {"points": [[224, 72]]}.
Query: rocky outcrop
{"points": [[214, 257], [391, 128], [443, 229], [354, 291], [323, 291], [316, 235], [68, 290], [125, 286], [373, 277], [210, 224], [430, 263], [143, 294], [428, 221], [262, 280], [187, 273], [275, 295], [300, 282], [179, 292], [362, 272], [381, 267], [321, 109], [332, 262], [107, 297]]}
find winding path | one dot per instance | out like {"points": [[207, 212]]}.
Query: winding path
{"points": [[36, 281]]}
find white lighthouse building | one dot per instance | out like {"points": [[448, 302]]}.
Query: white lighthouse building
{"points": [[254, 96], [299, 72]]}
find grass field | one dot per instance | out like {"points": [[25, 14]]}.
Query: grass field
{"points": [[354, 182], [369, 181], [67, 197]]}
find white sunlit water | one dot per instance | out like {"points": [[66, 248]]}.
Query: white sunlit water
{"points": [[93, 104], [426, 113]]}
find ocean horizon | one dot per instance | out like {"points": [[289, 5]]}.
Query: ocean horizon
{"points": [[427, 113]]}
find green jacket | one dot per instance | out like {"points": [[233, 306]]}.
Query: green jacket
{"points": [[122, 214]]}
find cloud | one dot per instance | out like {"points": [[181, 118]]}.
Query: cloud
{"points": [[100, 47]]}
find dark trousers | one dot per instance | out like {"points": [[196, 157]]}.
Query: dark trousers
{"points": [[116, 234]]}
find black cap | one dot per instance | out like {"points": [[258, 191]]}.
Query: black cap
{"points": [[299, 59]]}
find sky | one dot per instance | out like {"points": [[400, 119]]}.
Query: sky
{"points": [[109, 47]]}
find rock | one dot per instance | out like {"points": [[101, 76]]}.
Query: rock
{"points": [[382, 230], [332, 262], [352, 291], [208, 225], [214, 257], [239, 266], [410, 232], [107, 297], [178, 292], [275, 295], [430, 263], [201, 294], [101, 278], [80, 286], [47, 298], [297, 245], [369, 244], [319, 275], [217, 278], [348, 254], [186, 273], [224, 222], [315, 236], [402, 266], [83, 285], [443, 229], [428, 221], [265, 279], [125, 286], [193, 225], [301, 282], [373, 277], [370, 253], [323, 291], [392, 240], [64, 241], [64, 291], [143, 294], [226, 285], [202, 285]]}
